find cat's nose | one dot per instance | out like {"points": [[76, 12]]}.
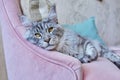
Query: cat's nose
{"points": [[47, 40]]}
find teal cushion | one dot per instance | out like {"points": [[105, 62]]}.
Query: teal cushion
{"points": [[86, 29]]}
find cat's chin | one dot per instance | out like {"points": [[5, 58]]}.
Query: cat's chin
{"points": [[50, 47], [47, 46]]}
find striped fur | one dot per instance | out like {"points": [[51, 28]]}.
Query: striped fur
{"points": [[49, 35]]}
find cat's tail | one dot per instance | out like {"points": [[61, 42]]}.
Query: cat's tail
{"points": [[110, 55]]}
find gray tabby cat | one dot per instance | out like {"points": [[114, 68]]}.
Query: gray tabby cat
{"points": [[49, 35]]}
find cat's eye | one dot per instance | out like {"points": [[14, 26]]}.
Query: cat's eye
{"points": [[37, 35], [50, 29]]}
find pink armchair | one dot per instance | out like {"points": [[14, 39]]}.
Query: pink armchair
{"points": [[25, 61]]}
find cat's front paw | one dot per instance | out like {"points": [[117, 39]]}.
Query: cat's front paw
{"points": [[85, 60], [88, 58]]}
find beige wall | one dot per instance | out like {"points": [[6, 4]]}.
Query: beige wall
{"points": [[3, 75]]}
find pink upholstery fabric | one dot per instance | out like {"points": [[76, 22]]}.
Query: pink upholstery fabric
{"points": [[101, 70], [25, 61]]}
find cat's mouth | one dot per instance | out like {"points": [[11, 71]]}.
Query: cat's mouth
{"points": [[47, 46], [50, 47]]}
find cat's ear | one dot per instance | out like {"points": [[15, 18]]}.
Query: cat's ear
{"points": [[52, 14], [25, 21]]}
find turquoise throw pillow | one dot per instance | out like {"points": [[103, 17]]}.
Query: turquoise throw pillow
{"points": [[86, 29]]}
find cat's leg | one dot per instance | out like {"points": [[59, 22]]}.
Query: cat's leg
{"points": [[90, 52], [113, 57], [110, 55], [85, 52]]}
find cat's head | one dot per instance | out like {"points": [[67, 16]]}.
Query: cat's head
{"points": [[46, 33]]}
